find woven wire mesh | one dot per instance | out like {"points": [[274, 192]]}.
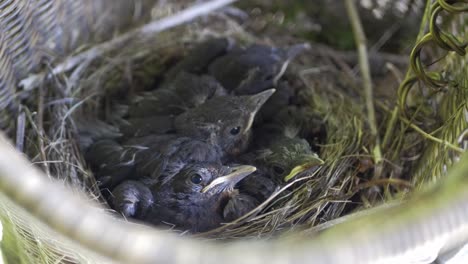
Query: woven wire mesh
{"points": [[34, 32], [452, 111]]}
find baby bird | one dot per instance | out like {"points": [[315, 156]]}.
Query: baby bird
{"points": [[222, 120], [198, 59], [217, 129], [144, 126], [294, 121], [253, 69], [185, 91], [285, 157], [196, 199], [277, 163], [155, 157], [225, 121]]}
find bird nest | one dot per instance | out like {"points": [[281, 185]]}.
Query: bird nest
{"points": [[354, 175], [336, 108]]}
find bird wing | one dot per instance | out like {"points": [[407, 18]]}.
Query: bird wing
{"points": [[201, 56], [165, 155], [144, 126], [152, 160], [238, 205], [132, 199], [91, 130], [194, 90], [111, 162], [258, 185], [158, 102]]}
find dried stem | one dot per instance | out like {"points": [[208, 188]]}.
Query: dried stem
{"points": [[360, 39]]}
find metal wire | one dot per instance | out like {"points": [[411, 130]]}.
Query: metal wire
{"points": [[442, 39], [36, 31]]}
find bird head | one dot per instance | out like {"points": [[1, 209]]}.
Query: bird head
{"points": [[194, 199], [225, 121], [254, 68], [261, 66], [202, 181], [287, 157]]}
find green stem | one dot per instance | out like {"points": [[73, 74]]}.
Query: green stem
{"points": [[360, 39]]}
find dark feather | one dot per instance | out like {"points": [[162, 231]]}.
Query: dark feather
{"points": [[144, 126], [132, 199], [201, 56], [185, 91], [253, 69], [239, 205]]}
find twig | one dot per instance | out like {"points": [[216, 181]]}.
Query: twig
{"points": [[395, 72], [390, 128], [20, 130], [40, 126], [394, 115], [177, 19], [388, 181], [360, 39]]}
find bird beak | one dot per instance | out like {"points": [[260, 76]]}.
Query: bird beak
{"points": [[228, 181], [297, 49], [307, 161], [255, 102]]}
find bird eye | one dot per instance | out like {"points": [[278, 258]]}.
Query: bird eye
{"points": [[196, 178], [278, 170], [235, 130]]}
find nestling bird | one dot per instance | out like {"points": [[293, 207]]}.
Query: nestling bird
{"points": [[285, 157], [155, 157], [200, 56], [219, 128], [144, 126], [109, 162], [283, 97], [281, 146], [196, 199], [278, 162], [183, 92], [253, 69], [293, 121], [225, 121], [239, 205]]}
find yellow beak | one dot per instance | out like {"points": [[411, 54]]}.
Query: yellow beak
{"points": [[311, 161]]}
